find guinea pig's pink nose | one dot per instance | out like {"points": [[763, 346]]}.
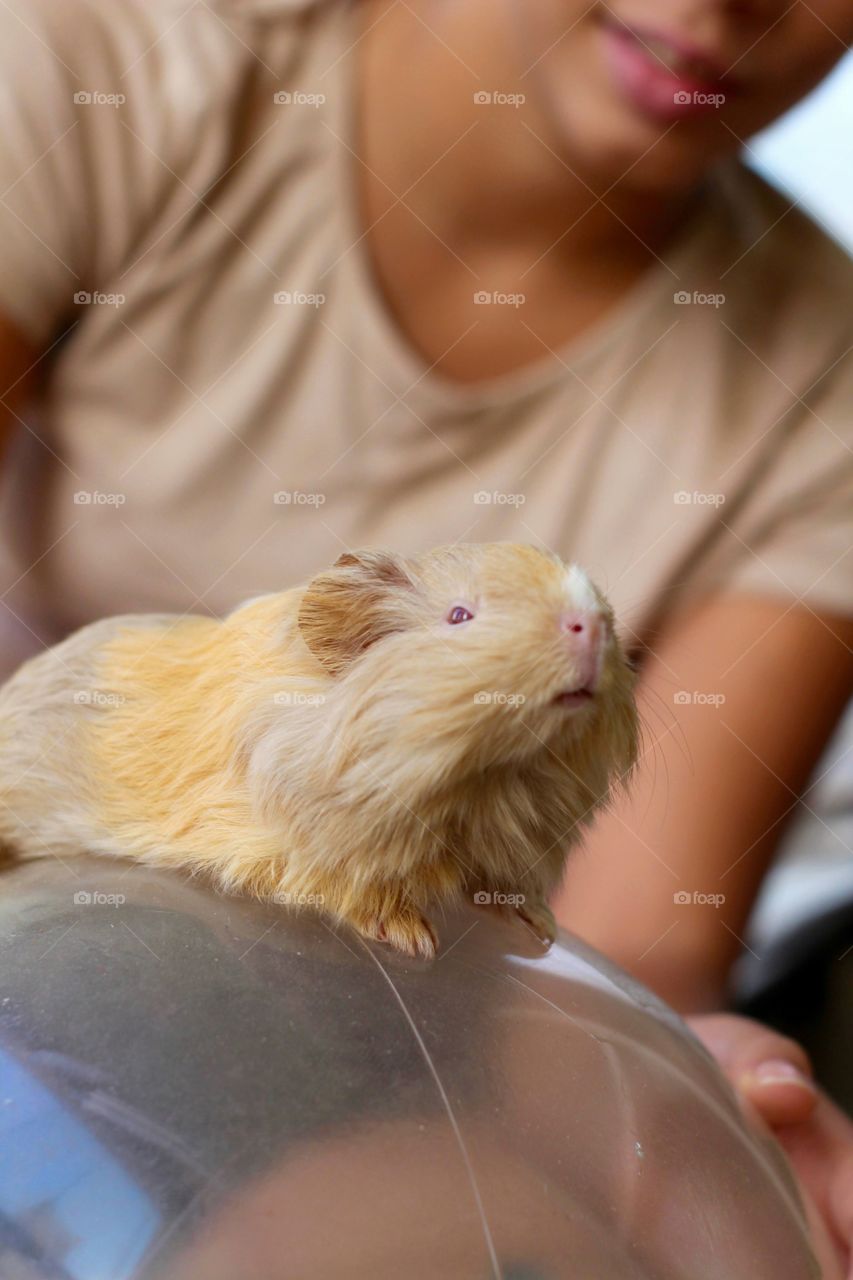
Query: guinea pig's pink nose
{"points": [[584, 630], [584, 626]]}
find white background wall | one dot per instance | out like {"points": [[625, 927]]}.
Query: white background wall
{"points": [[809, 152]]}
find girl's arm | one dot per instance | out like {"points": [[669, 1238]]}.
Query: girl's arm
{"points": [[18, 368], [765, 681]]}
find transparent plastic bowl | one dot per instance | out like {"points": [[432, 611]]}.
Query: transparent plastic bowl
{"points": [[202, 1088]]}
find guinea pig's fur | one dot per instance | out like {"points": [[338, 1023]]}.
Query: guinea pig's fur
{"points": [[342, 743]]}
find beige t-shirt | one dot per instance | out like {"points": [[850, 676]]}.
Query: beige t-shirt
{"points": [[236, 405]]}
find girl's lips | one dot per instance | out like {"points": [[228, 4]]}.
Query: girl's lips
{"points": [[662, 75]]}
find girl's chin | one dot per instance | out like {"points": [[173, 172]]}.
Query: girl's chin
{"points": [[608, 145]]}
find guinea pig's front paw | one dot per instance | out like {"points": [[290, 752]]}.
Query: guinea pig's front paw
{"points": [[405, 929], [540, 918]]}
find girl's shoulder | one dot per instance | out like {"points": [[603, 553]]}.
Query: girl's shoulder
{"points": [[772, 249], [781, 285]]}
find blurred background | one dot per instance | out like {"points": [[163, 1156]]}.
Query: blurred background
{"points": [[801, 924], [809, 153]]}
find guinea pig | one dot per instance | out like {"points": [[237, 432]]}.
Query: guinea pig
{"points": [[396, 732]]}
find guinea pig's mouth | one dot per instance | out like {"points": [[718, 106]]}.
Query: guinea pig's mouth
{"points": [[574, 697]]}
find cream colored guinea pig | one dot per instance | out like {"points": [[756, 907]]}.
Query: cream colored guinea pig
{"points": [[393, 734]]}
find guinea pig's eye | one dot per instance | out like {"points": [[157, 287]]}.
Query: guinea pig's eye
{"points": [[459, 614]]}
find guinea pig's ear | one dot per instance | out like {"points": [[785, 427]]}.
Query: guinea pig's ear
{"points": [[349, 607]]}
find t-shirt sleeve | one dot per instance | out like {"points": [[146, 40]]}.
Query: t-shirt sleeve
{"points": [[46, 232], [795, 539], [88, 149]]}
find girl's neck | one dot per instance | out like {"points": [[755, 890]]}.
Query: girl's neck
{"points": [[490, 175], [459, 199]]}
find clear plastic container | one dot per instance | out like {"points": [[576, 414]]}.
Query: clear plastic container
{"points": [[201, 1088]]}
